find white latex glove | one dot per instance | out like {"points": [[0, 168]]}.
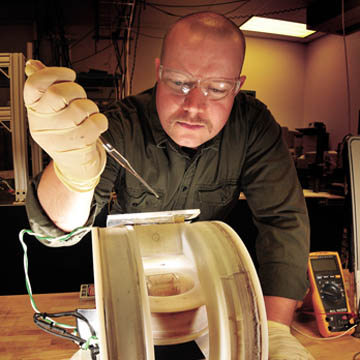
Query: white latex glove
{"points": [[65, 124], [283, 345]]}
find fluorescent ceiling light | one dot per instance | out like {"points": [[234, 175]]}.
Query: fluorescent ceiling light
{"points": [[274, 26]]}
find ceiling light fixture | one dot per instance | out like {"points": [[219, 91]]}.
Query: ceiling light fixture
{"points": [[278, 27]]}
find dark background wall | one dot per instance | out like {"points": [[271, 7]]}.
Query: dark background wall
{"points": [[50, 269]]}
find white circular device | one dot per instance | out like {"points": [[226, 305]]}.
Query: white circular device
{"points": [[171, 283]]}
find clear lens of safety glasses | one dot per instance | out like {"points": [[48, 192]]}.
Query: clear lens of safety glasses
{"points": [[182, 83]]}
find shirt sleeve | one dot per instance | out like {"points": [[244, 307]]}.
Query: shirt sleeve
{"points": [[42, 225], [276, 200]]}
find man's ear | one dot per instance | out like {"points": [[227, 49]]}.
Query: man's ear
{"points": [[157, 66], [242, 80]]}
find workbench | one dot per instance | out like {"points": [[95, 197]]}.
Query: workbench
{"points": [[21, 339]]}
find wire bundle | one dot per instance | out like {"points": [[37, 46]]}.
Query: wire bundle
{"points": [[46, 321]]}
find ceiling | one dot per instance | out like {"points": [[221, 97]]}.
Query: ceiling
{"points": [[21, 12], [157, 15], [237, 11]]}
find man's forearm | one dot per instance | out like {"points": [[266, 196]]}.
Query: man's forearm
{"points": [[67, 209], [280, 309]]}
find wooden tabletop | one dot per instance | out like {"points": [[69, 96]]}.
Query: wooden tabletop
{"points": [[21, 339]]}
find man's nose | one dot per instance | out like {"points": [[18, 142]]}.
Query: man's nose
{"points": [[195, 100]]}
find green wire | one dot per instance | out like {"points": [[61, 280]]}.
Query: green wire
{"points": [[88, 342], [61, 238], [26, 265]]}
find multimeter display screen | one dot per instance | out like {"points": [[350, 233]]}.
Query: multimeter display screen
{"points": [[324, 264]]}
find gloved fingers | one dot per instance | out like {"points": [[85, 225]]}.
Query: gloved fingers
{"points": [[72, 115], [65, 124], [57, 97], [91, 128], [32, 66], [76, 137], [99, 121], [41, 78]]}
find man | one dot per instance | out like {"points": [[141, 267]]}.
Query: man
{"points": [[195, 139]]}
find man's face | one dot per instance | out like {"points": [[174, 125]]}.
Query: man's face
{"points": [[191, 120]]}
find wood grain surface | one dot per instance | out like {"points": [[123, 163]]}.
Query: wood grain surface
{"points": [[21, 339]]}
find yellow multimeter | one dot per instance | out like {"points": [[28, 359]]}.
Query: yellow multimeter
{"points": [[328, 293]]}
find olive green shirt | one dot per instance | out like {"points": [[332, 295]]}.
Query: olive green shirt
{"points": [[248, 155]]}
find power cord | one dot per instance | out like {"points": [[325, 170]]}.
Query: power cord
{"points": [[323, 339]]}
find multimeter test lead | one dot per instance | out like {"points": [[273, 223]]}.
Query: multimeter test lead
{"points": [[124, 163]]}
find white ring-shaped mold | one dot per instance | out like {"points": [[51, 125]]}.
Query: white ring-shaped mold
{"points": [[210, 276]]}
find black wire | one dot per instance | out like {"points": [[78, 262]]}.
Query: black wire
{"points": [[131, 22], [120, 53], [119, 66], [52, 328], [163, 11], [135, 47], [194, 6], [236, 8], [61, 42], [275, 12], [230, 17], [74, 314], [148, 35], [81, 39], [89, 56]]}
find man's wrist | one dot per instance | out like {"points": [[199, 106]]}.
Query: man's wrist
{"points": [[280, 309], [75, 185]]}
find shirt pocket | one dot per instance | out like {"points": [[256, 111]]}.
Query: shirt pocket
{"points": [[139, 199], [217, 200]]}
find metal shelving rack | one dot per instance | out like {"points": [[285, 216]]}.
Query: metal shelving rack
{"points": [[13, 119]]}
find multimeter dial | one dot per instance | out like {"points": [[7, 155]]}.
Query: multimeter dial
{"points": [[331, 293]]}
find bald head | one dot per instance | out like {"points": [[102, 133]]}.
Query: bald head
{"points": [[205, 25]]}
